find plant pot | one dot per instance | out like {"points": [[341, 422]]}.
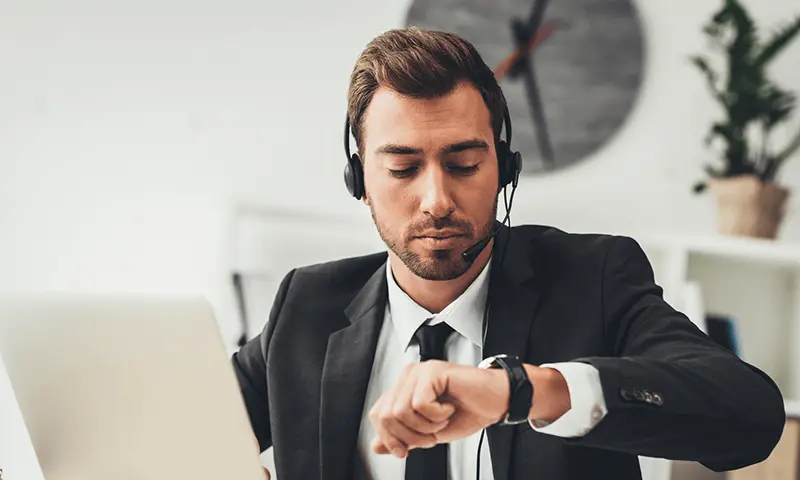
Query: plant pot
{"points": [[746, 206]]}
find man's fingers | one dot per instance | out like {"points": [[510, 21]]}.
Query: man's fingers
{"points": [[438, 412], [395, 437], [266, 474], [379, 447], [408, 437], [425, 402], [390, 443], [380, 416], [418, 422], [404, 410]]}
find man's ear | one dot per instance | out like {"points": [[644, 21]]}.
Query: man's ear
{"points": [[365, 198]]}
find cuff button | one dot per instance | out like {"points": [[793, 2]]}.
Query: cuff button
{"points": [[626, 394], [596, 413]]}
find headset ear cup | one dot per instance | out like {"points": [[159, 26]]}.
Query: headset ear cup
{"points": [[354, 177], [502, 164]]}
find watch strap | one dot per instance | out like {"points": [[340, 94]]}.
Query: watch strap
{"points": [[520, 388]]}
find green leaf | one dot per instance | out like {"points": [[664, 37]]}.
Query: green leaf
{"points": [[780, 39], [699, 187], [719, 130], [774, 105], [745, 40], [774, 164], [789, 150], [711, 76]]}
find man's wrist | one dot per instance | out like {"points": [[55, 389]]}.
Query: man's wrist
{"points": [[501, 381], [518, 395], [550, 394]]}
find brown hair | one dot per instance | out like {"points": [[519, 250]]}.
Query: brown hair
{"points": [[421, 64]]}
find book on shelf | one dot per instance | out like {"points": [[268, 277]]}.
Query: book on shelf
{"points": [[722, 329]]}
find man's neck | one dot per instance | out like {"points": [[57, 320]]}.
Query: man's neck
{"points": [[435, 295]]}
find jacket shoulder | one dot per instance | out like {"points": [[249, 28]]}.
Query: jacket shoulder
{"points": [[337, 276], [552, 237], [556, 247]]}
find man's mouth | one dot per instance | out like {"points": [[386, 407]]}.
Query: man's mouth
{"points": [[441, 235]]}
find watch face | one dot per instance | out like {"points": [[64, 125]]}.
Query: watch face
{"points": [[570, 69]]}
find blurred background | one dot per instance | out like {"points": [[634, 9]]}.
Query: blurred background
{"points": [[195, 147]]}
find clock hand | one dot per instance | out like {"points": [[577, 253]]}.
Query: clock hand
{"points": [[520, 55], [537, 13], [537, 112], [526, 69]]}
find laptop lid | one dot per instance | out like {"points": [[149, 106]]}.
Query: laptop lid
{"points": [[126, 388]]}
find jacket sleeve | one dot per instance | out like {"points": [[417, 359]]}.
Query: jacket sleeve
{"points": [[671, 391], [249, 365]]}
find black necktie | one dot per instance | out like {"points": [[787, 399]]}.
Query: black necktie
{"points": [[429, 463]]}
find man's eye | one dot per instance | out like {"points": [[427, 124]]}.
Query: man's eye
{"points": [[402, 173], [464, 170]]}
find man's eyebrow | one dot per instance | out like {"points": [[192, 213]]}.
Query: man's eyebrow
{"points": [[395, 149], [471, 144]]}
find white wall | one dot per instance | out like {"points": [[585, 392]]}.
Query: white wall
{"points": [[128, 129]]}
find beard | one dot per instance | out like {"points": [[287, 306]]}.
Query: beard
{"points": [[440, 264]]}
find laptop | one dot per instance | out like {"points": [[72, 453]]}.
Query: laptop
{"points": [[126, 389]]}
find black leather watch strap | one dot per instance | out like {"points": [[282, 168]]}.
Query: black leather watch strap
{"points": [[521, 389]]}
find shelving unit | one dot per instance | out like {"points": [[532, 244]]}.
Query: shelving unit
{"points": [[755, 283], [266, 243]]}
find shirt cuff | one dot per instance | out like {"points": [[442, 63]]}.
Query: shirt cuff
{"points": [[588, 405]]}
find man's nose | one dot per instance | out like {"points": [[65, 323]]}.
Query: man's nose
{"points": [[437, 200]]}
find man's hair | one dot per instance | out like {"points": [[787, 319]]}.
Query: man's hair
{"points": [[420, 64]]}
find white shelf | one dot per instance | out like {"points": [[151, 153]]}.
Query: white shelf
{"points": [[792, 408], [735, 248]]}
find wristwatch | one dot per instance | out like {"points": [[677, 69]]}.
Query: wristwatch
{"points": [[520, 395]]}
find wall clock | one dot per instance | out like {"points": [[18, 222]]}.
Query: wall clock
{"points": [[570, 69]]}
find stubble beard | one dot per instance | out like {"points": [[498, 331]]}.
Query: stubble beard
{"points": [[442, 264]]}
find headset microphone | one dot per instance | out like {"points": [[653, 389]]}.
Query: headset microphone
{"points": [[469, 255]]}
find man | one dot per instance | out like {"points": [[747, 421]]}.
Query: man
{"points": [[369, 367]]}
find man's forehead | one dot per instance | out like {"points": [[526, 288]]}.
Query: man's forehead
{"points": [[460, 113]]}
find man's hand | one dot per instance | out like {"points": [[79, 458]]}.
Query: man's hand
{"points": [[439, 402], [266, 473]]}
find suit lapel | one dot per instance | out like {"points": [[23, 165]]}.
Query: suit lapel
{"points": [[346, 373], [513, 299]]}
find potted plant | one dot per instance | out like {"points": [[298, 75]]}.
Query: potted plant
{"points": [[750, 200]]}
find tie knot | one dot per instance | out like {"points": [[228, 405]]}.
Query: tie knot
{"points": [[431, 341]]}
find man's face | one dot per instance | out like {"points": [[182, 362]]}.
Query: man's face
{"points": [[431, 177]]}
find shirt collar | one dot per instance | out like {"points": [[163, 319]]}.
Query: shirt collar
{"points": [[464, 314]]}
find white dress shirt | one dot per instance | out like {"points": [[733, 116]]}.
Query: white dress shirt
{"points": [[397, 347]]}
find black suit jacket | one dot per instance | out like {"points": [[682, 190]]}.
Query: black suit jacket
{"points": [[671, 392]]}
